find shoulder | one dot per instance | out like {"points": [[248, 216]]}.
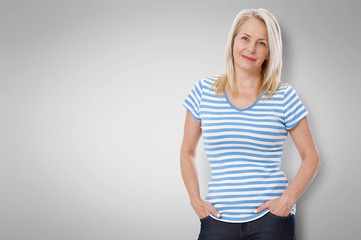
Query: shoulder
{"points": [[285, 89], [210, 79], [207, 82]]}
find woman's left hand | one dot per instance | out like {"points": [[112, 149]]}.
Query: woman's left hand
{"points": [[278, 206]]}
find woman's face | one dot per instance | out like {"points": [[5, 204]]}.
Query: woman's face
{"points": [[250, 47]]}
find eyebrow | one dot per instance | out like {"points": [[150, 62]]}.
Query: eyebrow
{"points": [[250, 36]]}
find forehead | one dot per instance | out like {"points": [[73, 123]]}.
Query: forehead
{"points": [[254, 27]]}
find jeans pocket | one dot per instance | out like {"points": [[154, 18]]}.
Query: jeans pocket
{"points": [[204, 219], [279, 217]]}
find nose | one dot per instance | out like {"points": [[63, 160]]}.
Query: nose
{"points": [[252, 47]]}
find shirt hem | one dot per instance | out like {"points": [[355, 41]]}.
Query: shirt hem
{"points": [[253, 219]]}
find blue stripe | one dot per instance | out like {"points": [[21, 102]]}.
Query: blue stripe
{"points": [[213, 101], [242, 148], [243, 137], [215, 155], [238, 213], [266, 120], [236, 202], [209, 124], [198, 89], [267, 110], [224, 209], [244, 196], [298, 118], [221, 99], [192, 103], [294, 116], [242, 160], [255, 109], [193, 100], [243, 171], [292, 105], [211, 80], [246, 183], [192, 111], [244, 166], [245, 113], [240, 143], [268, 104], [189, 104], [247, 189], [290, 90], [245, 177], [242, 130]]}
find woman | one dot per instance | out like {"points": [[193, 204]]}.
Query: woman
{"points": [[244, 117]]}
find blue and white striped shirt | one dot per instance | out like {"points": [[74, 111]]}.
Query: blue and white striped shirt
{"points": [[244, 147]]}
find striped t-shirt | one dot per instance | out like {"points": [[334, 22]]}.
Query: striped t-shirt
{"points": [[244, 147]]}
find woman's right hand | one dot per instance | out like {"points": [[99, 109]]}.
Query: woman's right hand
{"points": [[204, 208]]}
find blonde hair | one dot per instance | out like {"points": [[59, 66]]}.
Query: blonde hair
{"points": [[271, 68]]}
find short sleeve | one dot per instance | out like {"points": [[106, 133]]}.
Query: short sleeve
{"points": [[293, 108], [193, 100]]}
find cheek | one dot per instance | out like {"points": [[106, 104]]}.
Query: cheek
{"points": [[265, 52], [262, 55], [234, 52], [237, 48], [234, 49]]}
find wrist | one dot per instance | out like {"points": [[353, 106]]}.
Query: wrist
{"points": [[196, 201], [288, 199]]}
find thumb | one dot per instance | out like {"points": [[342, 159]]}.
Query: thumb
{"points": [[262, 207]]}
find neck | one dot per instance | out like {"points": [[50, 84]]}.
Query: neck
{"points": [[246, 80]]}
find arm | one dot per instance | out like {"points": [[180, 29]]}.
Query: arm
{"points": [[302, 137], [192, 134]]}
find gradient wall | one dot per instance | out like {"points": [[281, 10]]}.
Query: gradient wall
{"points": [[92, 119]]}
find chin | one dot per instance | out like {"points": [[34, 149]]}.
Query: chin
{"points": [[248, 68]]}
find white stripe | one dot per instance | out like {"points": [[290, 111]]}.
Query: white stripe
{"points": [[249, 186], [225, 193], [243, 162]]}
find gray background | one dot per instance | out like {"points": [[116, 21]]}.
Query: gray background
{"points": [[92, 119]]}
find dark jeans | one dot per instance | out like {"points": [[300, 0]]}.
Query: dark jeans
{"points": [[268, 227]]}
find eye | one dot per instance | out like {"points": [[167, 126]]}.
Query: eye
{"points": [[262, 44], [244, 38]]}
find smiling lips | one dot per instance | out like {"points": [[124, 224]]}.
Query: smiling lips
{"points": [[248, 58]]}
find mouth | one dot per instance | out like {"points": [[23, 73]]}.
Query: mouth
{"points": [[248, 58]]}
